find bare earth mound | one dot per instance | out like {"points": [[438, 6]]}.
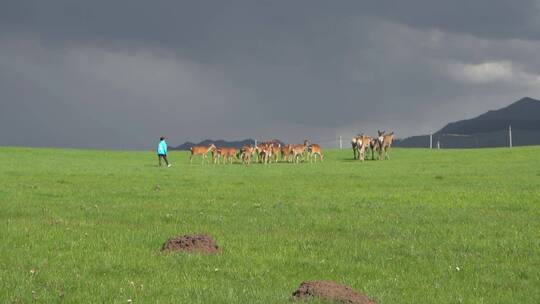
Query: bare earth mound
{"points": [[330, 291], [194, 243]]}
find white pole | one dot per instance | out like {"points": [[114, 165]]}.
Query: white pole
{"points": [[340, 143], [255, 142], [438, 145], [431, 141], [510, 135]]}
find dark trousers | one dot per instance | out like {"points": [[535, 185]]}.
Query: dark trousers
{"points": [[160, 156]]}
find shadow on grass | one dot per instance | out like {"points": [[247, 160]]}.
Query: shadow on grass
{"points": [[351, 160]]}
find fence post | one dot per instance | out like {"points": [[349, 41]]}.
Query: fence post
{"points": [[438, 145], [431, 140], [340, 143], [510, 135]]}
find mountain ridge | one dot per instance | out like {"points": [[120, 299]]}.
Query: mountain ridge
{"points": [[489, 129]]}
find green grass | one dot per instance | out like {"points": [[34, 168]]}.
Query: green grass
{"points": [[448, 226]]}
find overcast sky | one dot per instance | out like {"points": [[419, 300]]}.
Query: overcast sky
{"points": [[118, 74]]}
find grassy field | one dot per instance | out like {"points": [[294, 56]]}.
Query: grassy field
{"points": [[448, 226]]}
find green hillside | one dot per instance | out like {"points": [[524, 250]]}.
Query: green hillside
{"points": [[427, 226]]}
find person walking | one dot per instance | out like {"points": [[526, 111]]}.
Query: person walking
{"points": [[162, 151]]}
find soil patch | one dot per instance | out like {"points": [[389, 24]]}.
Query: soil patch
{"points": [[192, 243], [330, 291]]}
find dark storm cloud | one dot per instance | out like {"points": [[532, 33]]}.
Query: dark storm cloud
{"points": [[117, 74]]}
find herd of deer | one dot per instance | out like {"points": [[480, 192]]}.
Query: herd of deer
{"points": [[273, 151], [265, 152], [381, 144]]}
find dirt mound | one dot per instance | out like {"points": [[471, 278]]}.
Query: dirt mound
{"points": [[330, 291], [193, 243]]}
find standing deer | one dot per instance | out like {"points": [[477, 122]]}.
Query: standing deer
{"points": [[246, 153], [217, 153], [315, 151], [298, 151], [286, 151], [359, 144], [376, 144], [386, 143], [263, 151], [229, 154], [201, 150], [275, 149], [354, 144], [365, 142]]}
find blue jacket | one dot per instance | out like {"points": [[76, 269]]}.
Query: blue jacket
{"points": [[162, 147]]}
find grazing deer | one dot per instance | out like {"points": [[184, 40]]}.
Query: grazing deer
{"points": [[315, 150], [201, 150], [298, 151]]}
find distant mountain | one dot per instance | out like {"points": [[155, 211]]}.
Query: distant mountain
{"points": [[218, 143], [489, 129]]}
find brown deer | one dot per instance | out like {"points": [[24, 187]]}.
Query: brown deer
{"points": [[359, 145], [263, 151], [365, 143], [216, 155], [258, 148], [229, 154], [201, 150], [315, 151], [356, 143], [275, 149], [246, 153], [298, 151], [376, 144], [286, 151], [386, 143]]}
